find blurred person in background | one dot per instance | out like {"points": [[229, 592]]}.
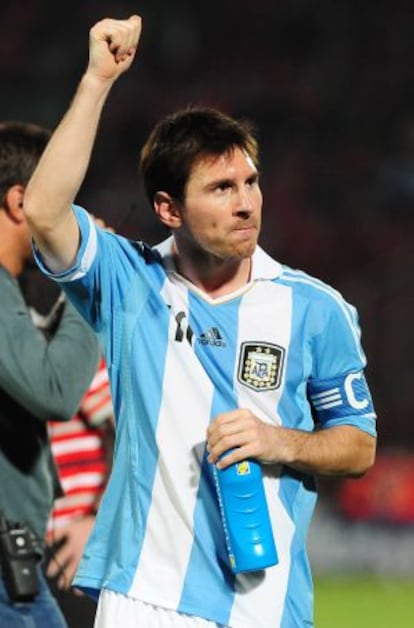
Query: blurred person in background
{"points": [[40, 379], [82, 449], [212, 346]]}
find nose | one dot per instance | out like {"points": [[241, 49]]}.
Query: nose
{"points": [[244, 204]]}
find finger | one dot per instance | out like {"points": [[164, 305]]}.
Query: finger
{"points": [[135, 33], [223, 446], [123, 40], [55, 567], [52, 569], [66, 574], [120, 36], [63, 582], [236, 455], [229, 418], [220, 422], [58, 536], [61, 559], [223, 431]]}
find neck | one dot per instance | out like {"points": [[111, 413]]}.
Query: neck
{"points": [[214, 276], [11, 255], [13, 266], [15, 244]]}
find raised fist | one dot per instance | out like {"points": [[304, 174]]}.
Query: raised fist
{"points": [[112, 46]]}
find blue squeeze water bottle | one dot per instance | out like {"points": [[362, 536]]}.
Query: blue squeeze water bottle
{"points": [[245, 516]]}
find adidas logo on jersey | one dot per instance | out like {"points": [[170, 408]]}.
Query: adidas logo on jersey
{"points": [[212, 337]]}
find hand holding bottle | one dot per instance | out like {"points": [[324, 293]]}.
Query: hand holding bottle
{"points": [[242, 435], [241, 494]]}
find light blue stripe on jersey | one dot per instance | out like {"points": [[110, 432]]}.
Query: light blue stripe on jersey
{"points": [[149, 339], [216, 590], [125, 537], [341, 340], [348, 310]]}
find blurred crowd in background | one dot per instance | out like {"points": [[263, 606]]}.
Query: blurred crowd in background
{"points": [[329, 85]]}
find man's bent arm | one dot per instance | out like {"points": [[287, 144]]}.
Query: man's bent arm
{"points": [[62, 168], [339, 450], [344, 450]]}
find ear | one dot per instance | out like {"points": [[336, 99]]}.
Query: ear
{"points": [[168, 210], [13, 202]]}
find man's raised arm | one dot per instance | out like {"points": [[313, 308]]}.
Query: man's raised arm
{"points": [[62, 168]]}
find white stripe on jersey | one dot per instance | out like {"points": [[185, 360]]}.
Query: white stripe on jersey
{"points": [[115, 609], [273, 322], [178, 429]]}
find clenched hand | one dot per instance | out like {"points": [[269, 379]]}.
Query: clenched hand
{"points": [[112, 47]]}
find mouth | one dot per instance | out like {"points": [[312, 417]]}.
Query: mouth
{"points": [[246, 230]]}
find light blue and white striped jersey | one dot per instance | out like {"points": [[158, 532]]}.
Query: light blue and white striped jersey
{"points": [[286, 346]]}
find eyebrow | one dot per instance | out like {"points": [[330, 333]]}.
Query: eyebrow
{"points": [[216, 182], [229, 181]]}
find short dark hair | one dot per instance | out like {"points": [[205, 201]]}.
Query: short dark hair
{"points": [[21, 145], [182, 138]]}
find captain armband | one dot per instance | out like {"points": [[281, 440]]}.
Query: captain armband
{"points": [[343, 396]]}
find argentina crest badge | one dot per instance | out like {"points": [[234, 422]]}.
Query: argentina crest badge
{"points": [[260, 365]]}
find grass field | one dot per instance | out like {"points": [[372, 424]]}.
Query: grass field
{"points": [[363, 602]]}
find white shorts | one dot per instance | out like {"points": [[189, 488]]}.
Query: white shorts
{"points": [[116, 610]]}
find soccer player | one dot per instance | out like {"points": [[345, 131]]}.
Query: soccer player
{"points": [[211, 345]]}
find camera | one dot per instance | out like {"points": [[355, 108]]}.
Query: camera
{"points": [[18, 561]]}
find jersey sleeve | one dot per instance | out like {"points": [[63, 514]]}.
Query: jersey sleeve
{"points": [[110, 276], [105, 267], [337, 390], [80, 281]]}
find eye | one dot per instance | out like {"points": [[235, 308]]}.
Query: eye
{"points": [[253, 180], [223, 186]]}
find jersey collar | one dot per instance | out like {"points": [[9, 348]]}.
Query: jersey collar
{"points": [[263, 266]]}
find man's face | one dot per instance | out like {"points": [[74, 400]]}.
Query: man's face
{"points": [[222, 207]]}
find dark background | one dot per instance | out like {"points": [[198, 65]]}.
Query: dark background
{"points": [[329, 85]]}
